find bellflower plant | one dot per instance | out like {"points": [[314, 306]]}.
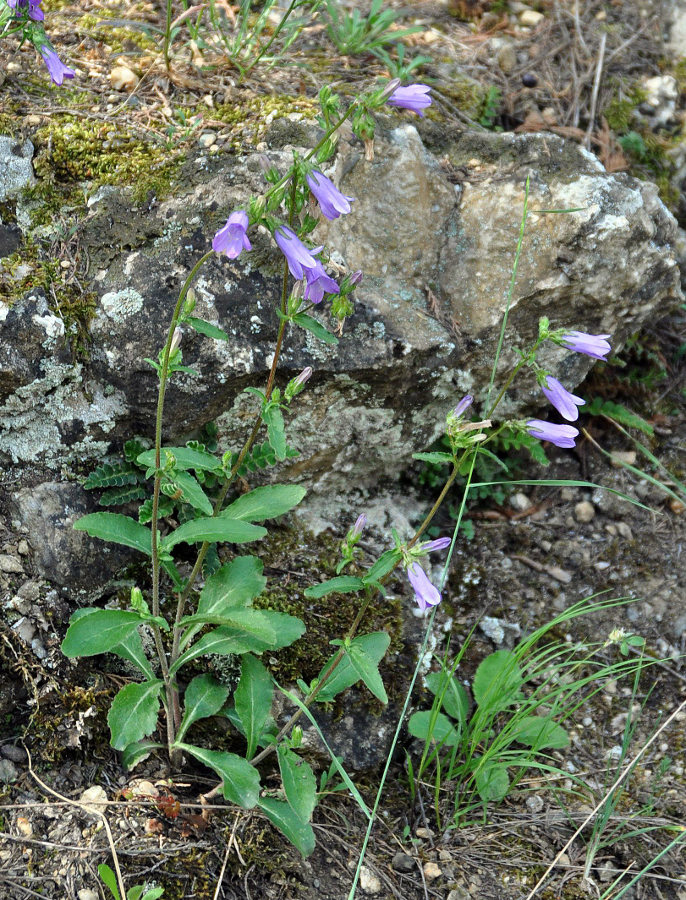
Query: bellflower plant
{"points": [[563, 400], [560, 435], [318, 283], [298, 257], [593, 345], [331, 201], [232, 239], [32, 6], [414, 97]]}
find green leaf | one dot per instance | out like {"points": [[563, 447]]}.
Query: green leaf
{"points": [[539, 732], [276, 430], [436, 459], [617, 411], [492, 783], [368, 670], [265, 502], [185, 457], [497, 681], [344, 675], [116, 528], [138, 751], [438, 728], [232, 531], [282, 816], [131, 649], [240, 780], [299, 783], [116, 475], [192, 492], [316, 328], [253, 700], [206, 328], [254, 621], [224, 641], [454, 699], [343, 584], [384, 564], [204, 697], [153, 894], [234, 585], [121, 495], [109, 879], [133, 714], [94, 631]]}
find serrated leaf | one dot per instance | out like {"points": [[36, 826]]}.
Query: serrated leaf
{"points": [[497, 681], [234, 585], [192, 492], [207, 328], [437, 728], [289, 823], [95, 631], [186, 458], [204, 697], [309, 323], [253, 621], [116, 528], [240, 780], [266, 502], [539, 732], [345, 675], [224, 641], [299, 783], [253, 700], [368, 670], [343, 584], [137, 752], [133, 714], [231, 531], [121, 495], [436, 459], [492, 783], [454, 699], [112, 475]]}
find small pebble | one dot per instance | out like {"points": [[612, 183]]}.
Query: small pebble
{"points": [[618, 458], [123, 79], [87, 894], [23, 547], [432, 871], [530, 18], [206, 140], [403, 863], [534, 803], [24, 827], [94, 795], [520, 501], [8, 771], [10, 564], [369, 882], [584, 511], [529, 80]]}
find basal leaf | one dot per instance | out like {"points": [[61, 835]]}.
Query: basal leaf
{"points": [[435, 728], [116, 528], [299, 783], [283, 817], [137, 752], [109, 879], [95, 631], [497, 681], [540, 733], [253, 700], [342, 584], [232, 531], [204, 697], [454, 697], [133, 714], [265, 502], [240, 780], [492, 783]]}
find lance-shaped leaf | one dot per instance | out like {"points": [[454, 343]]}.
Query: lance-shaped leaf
{"points": [[342, 584], [367, 667], [133, 714], [185, 457], [254, 621], [253, 699], [299, 782], [94, 631], [266, 502], [191, 492], [283, 817], [309, 323], [384, 564], [116, 528], [204, 697], [232, 531], [131, 649], [240, 780], [345, 674], [206, 328], [236, 584]]}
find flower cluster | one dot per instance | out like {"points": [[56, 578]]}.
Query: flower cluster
{"points": [[302, 263], [22, 6]]}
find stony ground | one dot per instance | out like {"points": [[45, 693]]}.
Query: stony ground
{"points": [[532, 555]]}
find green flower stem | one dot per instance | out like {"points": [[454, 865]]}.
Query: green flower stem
{"points": [[167, 33]]}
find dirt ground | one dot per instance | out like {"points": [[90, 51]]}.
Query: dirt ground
{"points": [[532, 555]]}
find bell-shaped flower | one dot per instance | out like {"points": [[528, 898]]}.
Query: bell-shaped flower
{"points": [[560, 435], [318, 283], [594, 345], [563, 400], [414, 97], [56, 68], [298, 257], [232, 239], [331, 201], [425, 593]]}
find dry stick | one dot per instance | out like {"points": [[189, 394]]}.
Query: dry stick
{"points": [[85, 808], [596, 87], [231, 842], [608, 794]]}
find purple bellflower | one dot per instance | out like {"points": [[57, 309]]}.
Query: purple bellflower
{"points": [[438, 544], [318, 283], [359, 526], [414, 97], [425, 593], [35, 12], [232, 239], [564, 402], [594, 345], [462, 406], [560, 435], [298, 257], [331, 201], [56, 68]]}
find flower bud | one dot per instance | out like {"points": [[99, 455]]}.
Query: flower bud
{"points": [[295, 385], [175, 341], [359, 526], [390, 89]]}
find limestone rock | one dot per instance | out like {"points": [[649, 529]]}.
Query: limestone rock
{"points": [[16, 170]]}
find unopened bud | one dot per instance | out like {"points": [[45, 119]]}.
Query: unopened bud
{"points": [[359, 526], [390, 89], [176, 341], [295, 385], [304, 376], [462, 406], [356, 278]]}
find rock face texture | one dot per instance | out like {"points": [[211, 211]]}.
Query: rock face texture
{"points": [[435, 233]]}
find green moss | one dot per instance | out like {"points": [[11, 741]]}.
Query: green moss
{"points": [[249, 121], [620, 110]]}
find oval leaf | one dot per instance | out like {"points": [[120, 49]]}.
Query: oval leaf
{"points": [[204, 697], [233, 531], [492, 783], [265, 502], [497, 681], [299, 783], [435, 728], [454, 699], [133, 714], [234, 585], [94, 631], [539, 733], [193, 493], [282, 816], [116, 528], [185, 457], [240, 780]]}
